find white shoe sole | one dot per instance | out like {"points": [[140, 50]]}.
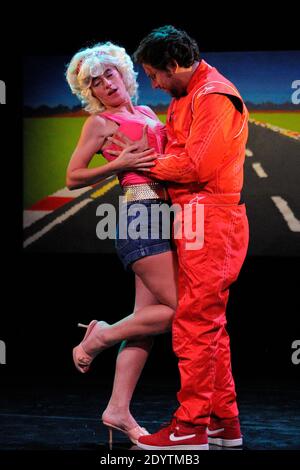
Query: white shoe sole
{"points": [[178, 447], [225, 442]]}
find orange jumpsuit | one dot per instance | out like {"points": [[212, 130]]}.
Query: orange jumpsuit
{"points": [[203, 163]]}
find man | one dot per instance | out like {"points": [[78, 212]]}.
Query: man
{"points": [[203, 164]]}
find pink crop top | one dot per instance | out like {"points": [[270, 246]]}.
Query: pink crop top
{"points": [[133, 128]]}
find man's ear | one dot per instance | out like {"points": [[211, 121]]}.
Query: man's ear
{"points": [[172, 66]]}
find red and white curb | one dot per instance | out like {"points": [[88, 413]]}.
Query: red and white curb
{"points": [[50, 203], [293, 134], [106, 186]]}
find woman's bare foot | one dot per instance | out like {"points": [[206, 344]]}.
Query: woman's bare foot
{"points": [[119, 417], [96, 341]]}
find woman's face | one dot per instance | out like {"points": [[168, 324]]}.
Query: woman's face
{"points": [[109, 88]]}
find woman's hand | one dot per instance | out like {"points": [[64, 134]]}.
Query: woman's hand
{"points": [[122, 141], [131, 159]]}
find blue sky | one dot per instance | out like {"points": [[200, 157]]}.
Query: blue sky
{"points": [[259, 76]]}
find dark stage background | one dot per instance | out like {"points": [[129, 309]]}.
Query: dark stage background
{"points": [[41, 328]]}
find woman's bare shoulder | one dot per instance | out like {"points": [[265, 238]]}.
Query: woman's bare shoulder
{"points": [[149, 111], [95, 121], [146, 108]]}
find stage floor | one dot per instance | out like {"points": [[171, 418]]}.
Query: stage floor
{"points": [[57, 418]]}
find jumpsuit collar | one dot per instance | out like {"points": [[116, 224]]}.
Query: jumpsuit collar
{"points": [[200, 72]]}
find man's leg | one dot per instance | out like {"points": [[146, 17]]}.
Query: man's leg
{"points": [[204, 278], [224, 396], [196, 334], [200, 340], [224, 428]]}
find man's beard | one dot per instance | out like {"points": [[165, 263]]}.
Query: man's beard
{"points": [[177, 93]]}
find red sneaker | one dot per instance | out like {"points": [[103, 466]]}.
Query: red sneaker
{"points": [[176, 435], [225, 432]]}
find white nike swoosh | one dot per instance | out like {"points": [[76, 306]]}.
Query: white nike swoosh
{"points": [[216, 431], [181, 438]]}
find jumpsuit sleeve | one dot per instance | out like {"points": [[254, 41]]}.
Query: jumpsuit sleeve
{"points": [[214, 122]]}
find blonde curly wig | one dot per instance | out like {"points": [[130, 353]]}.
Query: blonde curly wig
{"points": [[89, 63]]}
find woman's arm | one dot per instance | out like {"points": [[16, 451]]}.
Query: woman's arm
{"points": [[91, 140]]}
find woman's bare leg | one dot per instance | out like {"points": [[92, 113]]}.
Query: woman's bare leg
{"points": [[130, 362], [133, 354], [159, 275]]}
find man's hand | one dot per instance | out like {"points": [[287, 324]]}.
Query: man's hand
{"points": [[122, 141], [131, 159]]}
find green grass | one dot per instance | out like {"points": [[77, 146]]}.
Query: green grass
{"points": [[48, 146], [162, 117], [290, 121]]}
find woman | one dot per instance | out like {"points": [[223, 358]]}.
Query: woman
{"points": [[104, 80]]}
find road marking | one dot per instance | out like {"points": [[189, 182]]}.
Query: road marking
{"points": [[72, 211], [286, 132], [101, 191], [249, 153], [48, 204], [259, 170], [284, 209], [58, 220], [29, 217], [65, 192]]}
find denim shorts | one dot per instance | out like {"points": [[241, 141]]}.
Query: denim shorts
{"points": [[143, 230]]}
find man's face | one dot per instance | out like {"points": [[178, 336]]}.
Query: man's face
{"points": [[165, 80]]}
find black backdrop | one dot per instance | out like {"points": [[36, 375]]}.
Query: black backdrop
{"points": [[57, 291]]}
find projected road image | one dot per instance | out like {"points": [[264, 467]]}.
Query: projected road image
{"points": [[59, 220]]}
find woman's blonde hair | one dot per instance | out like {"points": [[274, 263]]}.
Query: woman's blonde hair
{"points": [[89, 63]]}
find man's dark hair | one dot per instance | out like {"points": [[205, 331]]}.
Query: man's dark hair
{"points": [[165, 45]]}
